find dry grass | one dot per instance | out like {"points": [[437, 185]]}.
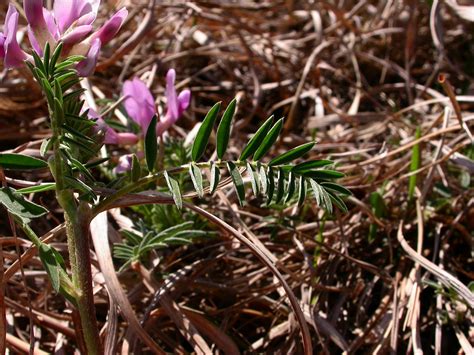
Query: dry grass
{"points": [[360, 78]]}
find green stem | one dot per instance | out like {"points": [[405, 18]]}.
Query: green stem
{"points": [[77, 229], [77, 219], [109, 200]]}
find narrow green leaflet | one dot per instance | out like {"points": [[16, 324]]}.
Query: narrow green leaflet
{"points": [[55, 57], [196, 178], [38, 188], [45, 146], [256, 140], [269, 140], [20, 162], [336, 187], [135, 172], [254, 179], [337, 200], [323, 174], [301, 190], [223, 131], [46, 56], [79, 185], [270, 185], [291, 187], [238, 182], [292, 154], [280, 185], [322, 198], [310, 165], [52, 261], [173, 186], [215, 177], [202, 137], [151, 145], [263, 178], [19, 206]]}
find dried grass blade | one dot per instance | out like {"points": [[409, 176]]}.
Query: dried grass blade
{"points": [[99, 234]]}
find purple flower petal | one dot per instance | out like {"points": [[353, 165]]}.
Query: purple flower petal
{"points": [[139, 102], [164, 125], [34, 13], [108, 31], [14, 55], [124, 164], [176, 105], [51, 24], [76, 35], [86, 19], [87, 66], [184, 98], [34, 42], [170, 92], [2, 48], [127, 138], [66, 12]]}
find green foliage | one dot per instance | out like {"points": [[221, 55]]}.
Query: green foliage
{"points": [[292, 154], [269, 140], [151, 145], [196, 177], [223, 132], [137, 246], [202, 137], [173, 186], [19, 206], [256, 140], [15, 161], [277, 180], [74, 134], [414, 165], [53, 263], [237, 180], [215, 177], [38, 188]]}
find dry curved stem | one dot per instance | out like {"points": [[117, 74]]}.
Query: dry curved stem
{"points": [[99, 234], [444, 277], [154, 198]]}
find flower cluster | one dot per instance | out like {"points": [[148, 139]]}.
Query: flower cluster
{"points": [[70, 22], [140, 106]]}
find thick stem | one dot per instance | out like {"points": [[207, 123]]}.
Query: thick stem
{"points": [[77, 229]]}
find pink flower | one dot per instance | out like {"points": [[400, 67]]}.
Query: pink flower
{"points": [[2, 48], [124, 164], [176, 104], [9, 48], [111, 136], [70, 22], [139, 102]]}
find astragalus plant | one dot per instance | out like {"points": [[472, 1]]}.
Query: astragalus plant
{"points": [[64, 48]]}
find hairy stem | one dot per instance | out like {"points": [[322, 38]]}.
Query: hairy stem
{"points": [[77, 229], [77, 218]]}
